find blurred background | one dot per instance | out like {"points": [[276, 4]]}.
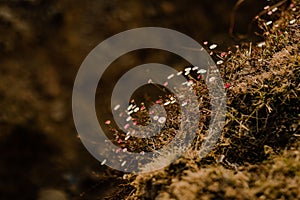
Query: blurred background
{"points": [[43, 43]]}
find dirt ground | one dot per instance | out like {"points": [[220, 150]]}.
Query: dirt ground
{"points": [[42, 45]]}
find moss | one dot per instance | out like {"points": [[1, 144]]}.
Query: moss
{"points": [[258, 155]]}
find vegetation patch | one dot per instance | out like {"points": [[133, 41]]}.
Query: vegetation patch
{"points": [[258, 153]]}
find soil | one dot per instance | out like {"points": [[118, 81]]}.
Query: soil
{"points": [[42, 45]]}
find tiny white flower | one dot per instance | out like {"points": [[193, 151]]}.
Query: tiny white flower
{"points": [[195, 68], [268, 23], [127, 137], [184, 83], [261, 44], [128, 119], [212, 79], [220, 62], [155, 117], [162, 120], [130, 112], [190, 83], [292, 21], [184, 103], [201, 71], [274, 9], [117, 107], [123, 163], [129, 107], [103, 162], [213, 46], [167, 103], [170, 76]]}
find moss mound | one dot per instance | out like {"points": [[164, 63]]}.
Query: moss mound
{"points": [[258, 153]]}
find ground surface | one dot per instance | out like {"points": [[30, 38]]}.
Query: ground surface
{"points": [[42, 44]]}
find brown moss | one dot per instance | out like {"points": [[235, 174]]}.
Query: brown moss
{"points": [[258, 154]]}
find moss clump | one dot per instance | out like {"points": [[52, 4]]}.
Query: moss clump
{"points": [[258, 153]]}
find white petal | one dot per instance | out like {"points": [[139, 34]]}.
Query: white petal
{"points": [[201, 71], [171, 76], [195, 68], [212, 79], [268, 23], [103, 162], [123, 163], [184, 104], [187, 69], [128, 119], [220, 62], [129, 107], [213, 46], [162, 120], [179, 73], [117, 107], [167, 103]]}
